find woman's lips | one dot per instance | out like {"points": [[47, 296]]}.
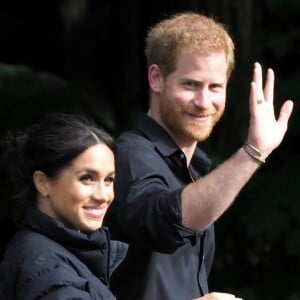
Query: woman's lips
{"points": [[94, 212]]}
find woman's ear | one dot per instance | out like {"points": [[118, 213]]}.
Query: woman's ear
{"points": [[155, 78], [40, 181]]}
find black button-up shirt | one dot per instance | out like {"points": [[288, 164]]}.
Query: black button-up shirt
{"points": [[165, 261]]}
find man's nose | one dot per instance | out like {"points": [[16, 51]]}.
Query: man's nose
{"points": [[202, 98]]}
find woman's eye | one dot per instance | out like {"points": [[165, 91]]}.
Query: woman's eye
{"points": [[86, 178], [110, 179]]}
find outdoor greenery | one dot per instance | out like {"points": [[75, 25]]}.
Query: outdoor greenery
{"points": [[86, 56]]}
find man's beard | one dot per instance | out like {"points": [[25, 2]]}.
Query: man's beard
{"points": [[180, 125]]}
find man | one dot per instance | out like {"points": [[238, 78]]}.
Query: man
{"points": [[167, 199]]}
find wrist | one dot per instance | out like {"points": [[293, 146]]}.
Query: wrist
{"points": [[255, 153]]}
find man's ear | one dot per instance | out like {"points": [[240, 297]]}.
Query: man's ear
{"points": [[41, 183], [155, 78]]}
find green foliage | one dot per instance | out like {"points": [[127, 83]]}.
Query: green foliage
{"points": [[27, 95]]}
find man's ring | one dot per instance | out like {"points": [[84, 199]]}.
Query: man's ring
{"points": [[259, 101]]}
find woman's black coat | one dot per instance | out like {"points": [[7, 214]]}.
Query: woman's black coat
{"points": [[45, 260]]}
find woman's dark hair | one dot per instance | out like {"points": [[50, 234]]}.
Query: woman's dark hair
{"points": [[48, 146]]}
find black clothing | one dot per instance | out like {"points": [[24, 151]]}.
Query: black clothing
{"points": [[45, 260], [165, 260]]}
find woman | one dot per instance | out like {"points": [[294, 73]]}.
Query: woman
{"points": [[63, 169]]}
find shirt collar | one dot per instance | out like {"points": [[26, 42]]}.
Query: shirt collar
{"points": [[156, 134], [165, 144]]}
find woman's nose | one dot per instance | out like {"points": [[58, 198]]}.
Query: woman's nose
{"points": [[101, 192]]}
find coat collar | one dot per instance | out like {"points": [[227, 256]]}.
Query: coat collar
{"points": [[95, 249]]}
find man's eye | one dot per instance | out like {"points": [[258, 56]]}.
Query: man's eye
{"points": [[217, 87], [190, 84]]}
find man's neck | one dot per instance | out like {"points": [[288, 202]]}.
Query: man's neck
{"points": [[185, 144]]}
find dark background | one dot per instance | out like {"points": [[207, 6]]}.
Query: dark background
{"points": [[86, 56]]}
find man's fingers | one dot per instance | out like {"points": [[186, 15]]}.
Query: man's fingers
{"points": [[269, 86], [285, 112], [257, 78], [218, 296]]}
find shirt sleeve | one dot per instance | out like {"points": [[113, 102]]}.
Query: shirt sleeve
{"points": [[147, 210]]}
